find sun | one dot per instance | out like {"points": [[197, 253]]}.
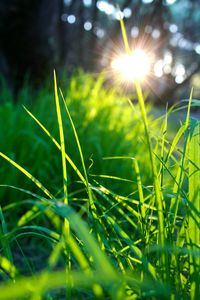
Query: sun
{"points": [[132, 66]]}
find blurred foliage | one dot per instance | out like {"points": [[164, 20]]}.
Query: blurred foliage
{"points": [[36, 36]]}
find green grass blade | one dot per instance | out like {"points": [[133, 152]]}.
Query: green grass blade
{"points": [[89, 190], [80, 152], [28, 175], [124, 35], [158, 194], [5, 242], [57, 145], [135, 249], [25, 286], [62, 140], [174, 205], [182, 128], [194, 197], [164, 132], [83, 232], [66, 225], [8, 267], [28, 215]]}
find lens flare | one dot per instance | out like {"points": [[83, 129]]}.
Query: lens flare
{"points": [[134, 66]]}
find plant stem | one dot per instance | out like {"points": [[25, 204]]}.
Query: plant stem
{"points": [[158, 194]]}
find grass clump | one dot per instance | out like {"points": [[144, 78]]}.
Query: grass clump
{"points": [[99, 242], [91, 107]]}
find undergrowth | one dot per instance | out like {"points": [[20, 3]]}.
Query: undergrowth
{"points": [[75, 234], [105, 123]]}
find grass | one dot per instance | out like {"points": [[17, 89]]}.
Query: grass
{"points": [[126, 227], [91, 106], [194, 196]]}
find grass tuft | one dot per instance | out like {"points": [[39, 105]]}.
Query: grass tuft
{"points": [[121, 224]]}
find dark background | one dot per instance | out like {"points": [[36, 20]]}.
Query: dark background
{"points": [[39, 35]]}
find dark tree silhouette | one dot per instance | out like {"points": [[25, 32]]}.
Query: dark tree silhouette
{"points": [[29, 37]]}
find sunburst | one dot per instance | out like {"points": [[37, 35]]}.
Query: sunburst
{"points": [[133, 66]]}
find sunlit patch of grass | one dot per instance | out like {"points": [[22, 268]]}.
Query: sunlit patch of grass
{"points": [[114, 245], [91, 107], [121, 224]]}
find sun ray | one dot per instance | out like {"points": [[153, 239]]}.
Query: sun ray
{"points": [[134, 66]]}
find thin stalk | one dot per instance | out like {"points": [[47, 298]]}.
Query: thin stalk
{"points": [[62, 141], [158, 196], [81, 154], [89, 191], [180, 173], [164, 132], [194, 197], [27, 174], [5, 241], [66, 226], [57, 145]]}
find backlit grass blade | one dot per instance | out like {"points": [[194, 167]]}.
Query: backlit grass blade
{"points": [[4, 241], [180, 173], [182, 128], [158, 194], [136, 250], [83, 232], [111, 177], [28, 175], [84, 264], [80, 152], [37, 210], [62, 140], [157, 187], [164, 132], [89, 190], [117, 206], [124, 35], [52, 261], [66, 225], [57, 145], [8, 267], [24, 287], [194, 197], [140, 191], [27, 192]]}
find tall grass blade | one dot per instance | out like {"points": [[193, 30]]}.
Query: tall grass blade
{"points": [[4, 241], [27, 174], [180, 172], [28, 215], [57, 145], [157, 188], [194, 197], [79, 226], [62, 140], [66, 225], [182, 128], [80, 152], [8, 267]]}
